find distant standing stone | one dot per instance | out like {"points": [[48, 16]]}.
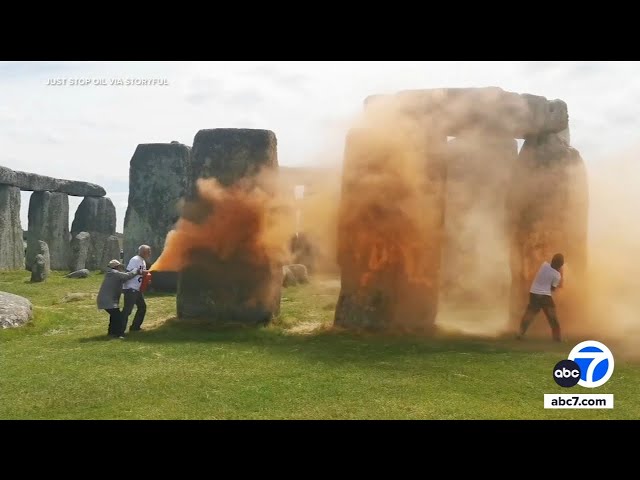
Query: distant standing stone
{"points": [[96, 216], [38, 270], [79, 251], [288, 278], [42, 248], [49, 221], [299, 272], [11, 244]]}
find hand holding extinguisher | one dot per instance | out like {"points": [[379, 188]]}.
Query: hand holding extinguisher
{"points": [[146, 279]]}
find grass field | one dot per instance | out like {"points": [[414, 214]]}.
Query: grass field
{"points": [[61, 366]]}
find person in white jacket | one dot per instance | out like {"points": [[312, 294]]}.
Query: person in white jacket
{"points": [[131, 289], [548, 279]]}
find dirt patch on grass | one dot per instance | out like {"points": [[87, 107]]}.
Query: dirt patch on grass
{"points": [[305, 328]]}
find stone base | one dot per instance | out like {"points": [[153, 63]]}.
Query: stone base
{"points": [[164, 282], [225, 293], [409, 308]]}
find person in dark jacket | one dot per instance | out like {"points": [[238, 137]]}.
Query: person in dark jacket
{"points": [[109, 296]]}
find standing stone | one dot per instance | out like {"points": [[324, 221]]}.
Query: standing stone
{"points": [[229, 154], [39, 269], [390, 227], [43, 250], [41, 265], [549, 202], [158, 175], [299, 272], [164, 282], [288, 278], [302, 251], [112, 250], [565, 136], [476, 249], [49, 221], [232, 290], [97, 216], [79, 251], [11, 243]]}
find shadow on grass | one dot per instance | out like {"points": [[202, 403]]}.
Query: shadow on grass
{"points": [[159, 294], [335, 347], [98, 338]]}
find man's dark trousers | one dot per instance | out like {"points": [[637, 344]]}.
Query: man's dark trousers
{"points": [[133, 297], [115, 321]]}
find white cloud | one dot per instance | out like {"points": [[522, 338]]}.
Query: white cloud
{"points": [[90, 132]]}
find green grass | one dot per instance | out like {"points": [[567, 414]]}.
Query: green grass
{"points": [[61, 367]]}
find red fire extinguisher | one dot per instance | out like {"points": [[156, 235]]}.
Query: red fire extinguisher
{"points": [[146, 281]]}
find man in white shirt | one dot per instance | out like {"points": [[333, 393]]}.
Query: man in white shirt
{"points": [[549, 278], [131, 289]]}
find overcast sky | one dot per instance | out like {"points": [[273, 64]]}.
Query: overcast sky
{"points": [[90, 132]]}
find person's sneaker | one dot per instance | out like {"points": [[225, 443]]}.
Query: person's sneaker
{"points": [[135, 330], [121, 337]]}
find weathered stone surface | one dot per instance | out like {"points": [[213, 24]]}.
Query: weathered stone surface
{"points": [[459, 109], [97, 216], [229, 154], [158, 176], [82, 273], [548, 213], [302, 251], [7, 176], [79, 251], [478, 173], [233, 290], [565, 136], [14, 310], [164, 281], [38, 269], [41, 248], [288, 278], [112, 250], [299, 272], [294, 274], [390, 227], [98, 249], [11, 236], [80, 189], [41, 183], [228, 292], [49, 221], [545, 116]]}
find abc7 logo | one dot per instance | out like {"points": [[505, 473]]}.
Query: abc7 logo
{"points": [[590, 364]]}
